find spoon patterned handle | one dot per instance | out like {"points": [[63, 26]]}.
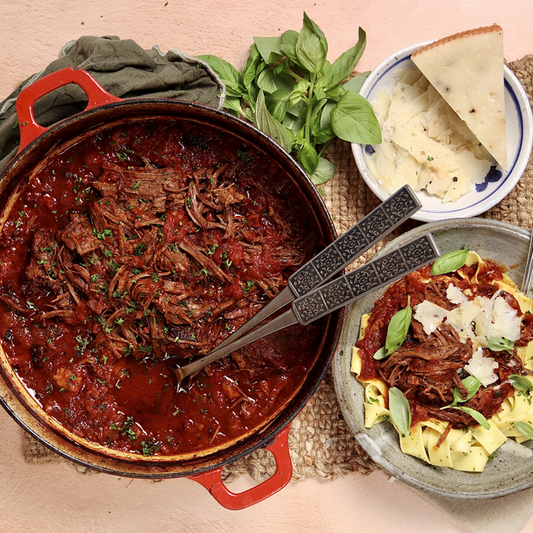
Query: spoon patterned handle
{"points": [[379, 272], [386, 217]]}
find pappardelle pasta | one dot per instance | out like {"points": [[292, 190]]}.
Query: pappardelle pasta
{"points": [[446, 355]]}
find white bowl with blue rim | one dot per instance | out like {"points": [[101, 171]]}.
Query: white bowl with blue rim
{"points": [[497, 184]]}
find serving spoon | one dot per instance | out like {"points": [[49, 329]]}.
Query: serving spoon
{"points": [[327, 298], [528, 273], [306, 281]]}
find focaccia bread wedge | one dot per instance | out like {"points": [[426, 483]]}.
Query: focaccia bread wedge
{"points": [[467, 69]]}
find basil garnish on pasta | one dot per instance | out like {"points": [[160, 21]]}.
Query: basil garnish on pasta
{"points": [[449, 262], [398, 328], [471, 384], [399, 410], [525, 429], [500, 344], [476, 415], [380, 354], [520, 383]]}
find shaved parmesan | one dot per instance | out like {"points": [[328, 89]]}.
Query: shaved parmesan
{"points": [[455, 294], [430, 316], [425, 144], [483, 317], [468, 71], [482, 368]]}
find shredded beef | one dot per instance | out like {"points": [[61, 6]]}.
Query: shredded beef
{"points": [[165, 264]]}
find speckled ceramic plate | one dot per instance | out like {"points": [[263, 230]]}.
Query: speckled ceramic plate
{"points": [[507, 473], [497, 184]]}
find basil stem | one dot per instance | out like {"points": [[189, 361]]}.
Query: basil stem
{"points": [[449, 262]]}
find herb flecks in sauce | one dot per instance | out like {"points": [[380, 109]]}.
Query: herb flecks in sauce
{"points": [[131, 246]]}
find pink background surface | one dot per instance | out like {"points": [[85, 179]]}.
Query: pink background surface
{"points": [[56, 497]]}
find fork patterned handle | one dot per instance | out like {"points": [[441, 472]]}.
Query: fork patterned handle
{"points": [[342, 291], [357, 240]]}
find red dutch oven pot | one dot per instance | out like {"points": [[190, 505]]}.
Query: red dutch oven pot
{"points": [[36, 142]]}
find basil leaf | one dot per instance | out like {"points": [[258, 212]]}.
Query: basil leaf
{"points": [[288, 44], [525, 429], [299, 92], [234, 104], [355, 83], [343, 66], [471, 384], [399, 411], [500, 344], [398, 328], [380, 354], [249, 70], [449, 262], [336, 93], [294, 122], [289, 37], [307, 157], [269, 48], [520, 383], [227, 72], [476, 415], [323, 172], [354, 120], [271, 82], [269, 125], [311, 47], [277, 103], [324, 132], [316, 116]]}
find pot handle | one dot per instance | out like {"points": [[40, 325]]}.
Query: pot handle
{"points": [[29, 128], [212, 480]]}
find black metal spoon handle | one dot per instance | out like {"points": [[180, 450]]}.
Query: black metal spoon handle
{"points": [[342, 291], [332, 296], [371, 229]]}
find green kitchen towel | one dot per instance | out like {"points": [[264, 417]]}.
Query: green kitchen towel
{"points": [[124, 69]]}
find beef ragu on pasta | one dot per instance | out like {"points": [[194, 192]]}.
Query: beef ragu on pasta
{"points": [[446, 356], [143, 242]]}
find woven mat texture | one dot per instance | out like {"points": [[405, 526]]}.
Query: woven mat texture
{"points": [[320, 443]]}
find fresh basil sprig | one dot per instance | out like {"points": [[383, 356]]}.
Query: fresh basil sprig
{"points": [[289, 90], [520, 383], [399, 410], [525, 429], [500, 344], [449, 262], [471, 384]]}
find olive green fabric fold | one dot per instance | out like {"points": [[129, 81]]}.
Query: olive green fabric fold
{"points": [[124, 69]]}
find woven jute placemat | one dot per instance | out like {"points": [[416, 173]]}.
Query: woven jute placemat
{"points": [[320, 442]]}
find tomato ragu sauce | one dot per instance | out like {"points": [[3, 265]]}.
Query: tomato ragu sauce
{"points": [[144, 244]]}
